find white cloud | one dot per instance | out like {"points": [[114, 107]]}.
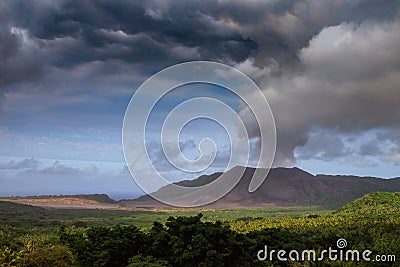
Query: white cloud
{"points": [[351, 52]]}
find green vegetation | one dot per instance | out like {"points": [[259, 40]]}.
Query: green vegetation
{"points": [[22, 216], [216, 238]]}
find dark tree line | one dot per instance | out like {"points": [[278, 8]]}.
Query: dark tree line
{"points": [[183, 241], [187, 241]]}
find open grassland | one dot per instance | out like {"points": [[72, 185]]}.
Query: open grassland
{"points": [[27, 216], [30, 219]]}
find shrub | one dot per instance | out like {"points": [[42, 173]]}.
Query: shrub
{"points": [[51, 256], [148, 261]]}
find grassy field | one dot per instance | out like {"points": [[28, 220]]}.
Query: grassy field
{"points": [[41, 224], [18, 215]]}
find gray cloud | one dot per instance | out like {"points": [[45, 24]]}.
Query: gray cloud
{"points": [[348, 81], [32, 166], [369, 148], [61, 169], [23, 164], [391, 142], [324, 146]]}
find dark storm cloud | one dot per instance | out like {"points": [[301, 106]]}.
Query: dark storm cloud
{"points": [[45, 39], [281, 28], [161, 33], [75, 32], [17, 54]]}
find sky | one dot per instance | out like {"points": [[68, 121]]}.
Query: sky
{"points": [[330, 70]]}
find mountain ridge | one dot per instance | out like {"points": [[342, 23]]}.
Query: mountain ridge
{"points": [[284, 187]]}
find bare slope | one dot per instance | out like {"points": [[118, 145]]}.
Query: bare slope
{"points": [[286, 186]]}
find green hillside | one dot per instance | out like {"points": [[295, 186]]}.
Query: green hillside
{"points": [[373, 204]]}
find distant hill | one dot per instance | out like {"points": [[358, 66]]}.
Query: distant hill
{"points": [[285, 187], [82, 201], [101, 198]]}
